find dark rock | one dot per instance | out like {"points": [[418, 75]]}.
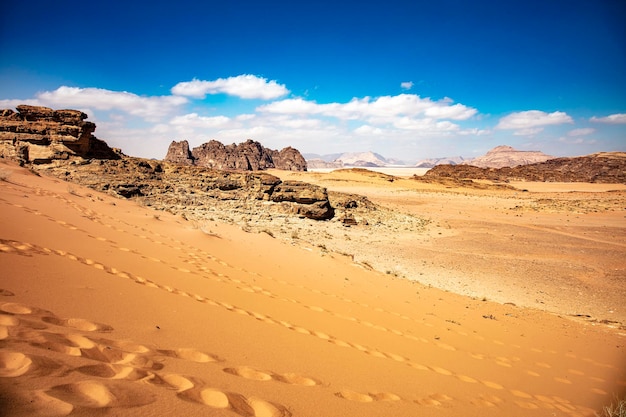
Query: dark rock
{"points": [[247, 156]]}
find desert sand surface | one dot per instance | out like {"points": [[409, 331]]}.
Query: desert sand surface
{"points": [[109, 308]]}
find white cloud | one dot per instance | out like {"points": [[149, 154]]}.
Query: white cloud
{"points": [[243, 86], [528, 131], [618, 118], [581, 132], [150, 108], [533, 118], [407, 85], [369, 130], [383, 109], [193, 120], [291, 106]]}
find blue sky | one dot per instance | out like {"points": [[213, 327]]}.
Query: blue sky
{"points": [[409, 80]]}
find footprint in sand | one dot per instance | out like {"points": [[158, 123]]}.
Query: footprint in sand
{"points": [[238, 403], [287, 378], [13, 364], [15, 308], [7, 321], [38, 403], [79, 324], [109, 354], [173, 381], [113, 371], [96, 394], [249, 373], [355, 396], [189, 354]]}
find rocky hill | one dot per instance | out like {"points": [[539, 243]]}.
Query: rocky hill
{"points": [[506, 156], [362, 159], [38, 135], [429, 163], [246, 156], [606, 167]]}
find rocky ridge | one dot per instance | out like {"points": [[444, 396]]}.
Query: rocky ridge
{"points": [[429, 163], [247, 156], [39, 135], [506, 156], [606, 167]]}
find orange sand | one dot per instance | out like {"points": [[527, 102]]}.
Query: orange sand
{"points": [[107, 308]]}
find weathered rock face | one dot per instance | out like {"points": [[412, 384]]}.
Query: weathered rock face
{"points": [[607, 167], [289, 159], [36, 134], [506, 156], [178, 153], [247, 156]]}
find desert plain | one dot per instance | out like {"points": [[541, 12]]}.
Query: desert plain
{"points": [[503, 301]]}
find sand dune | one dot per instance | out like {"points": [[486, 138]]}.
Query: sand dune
{"points": [[111, 308]]}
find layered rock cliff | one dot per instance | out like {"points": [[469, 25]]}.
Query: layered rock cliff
{"points": [[37, 134], [247, 156]]}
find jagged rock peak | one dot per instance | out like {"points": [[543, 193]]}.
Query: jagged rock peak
{"points": [[36, 134], [246, 156]]}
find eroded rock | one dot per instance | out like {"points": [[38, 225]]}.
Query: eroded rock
{"points": [[36, 134]]}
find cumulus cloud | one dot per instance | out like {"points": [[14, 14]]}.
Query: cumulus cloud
{"points": [[194, 120], [385, 109], [581, 132], [243, 86], [407, 85], [532, 119], [528, 132], [618, 118], [150, 108]]}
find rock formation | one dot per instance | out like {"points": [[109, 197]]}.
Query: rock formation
{"points": [[606, 167], [247, 156], [506, 156], [36, 134], [189, 189]]}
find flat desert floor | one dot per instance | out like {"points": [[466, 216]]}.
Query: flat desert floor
{"points": [[108, 308]]}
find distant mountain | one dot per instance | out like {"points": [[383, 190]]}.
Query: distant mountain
{"points": [[326, 158], [363, 159], [317, 163], [429, 163], [352, 159], [506, 156]]}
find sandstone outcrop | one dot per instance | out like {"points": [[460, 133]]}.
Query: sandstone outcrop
{"points": [[506, 156], [606, 167], [188, 188], [247, 156], [37, 134]]}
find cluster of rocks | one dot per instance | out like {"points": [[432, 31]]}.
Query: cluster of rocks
{"points": [[180, 188], [39, 135], [606, 167], [247, 156]]}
